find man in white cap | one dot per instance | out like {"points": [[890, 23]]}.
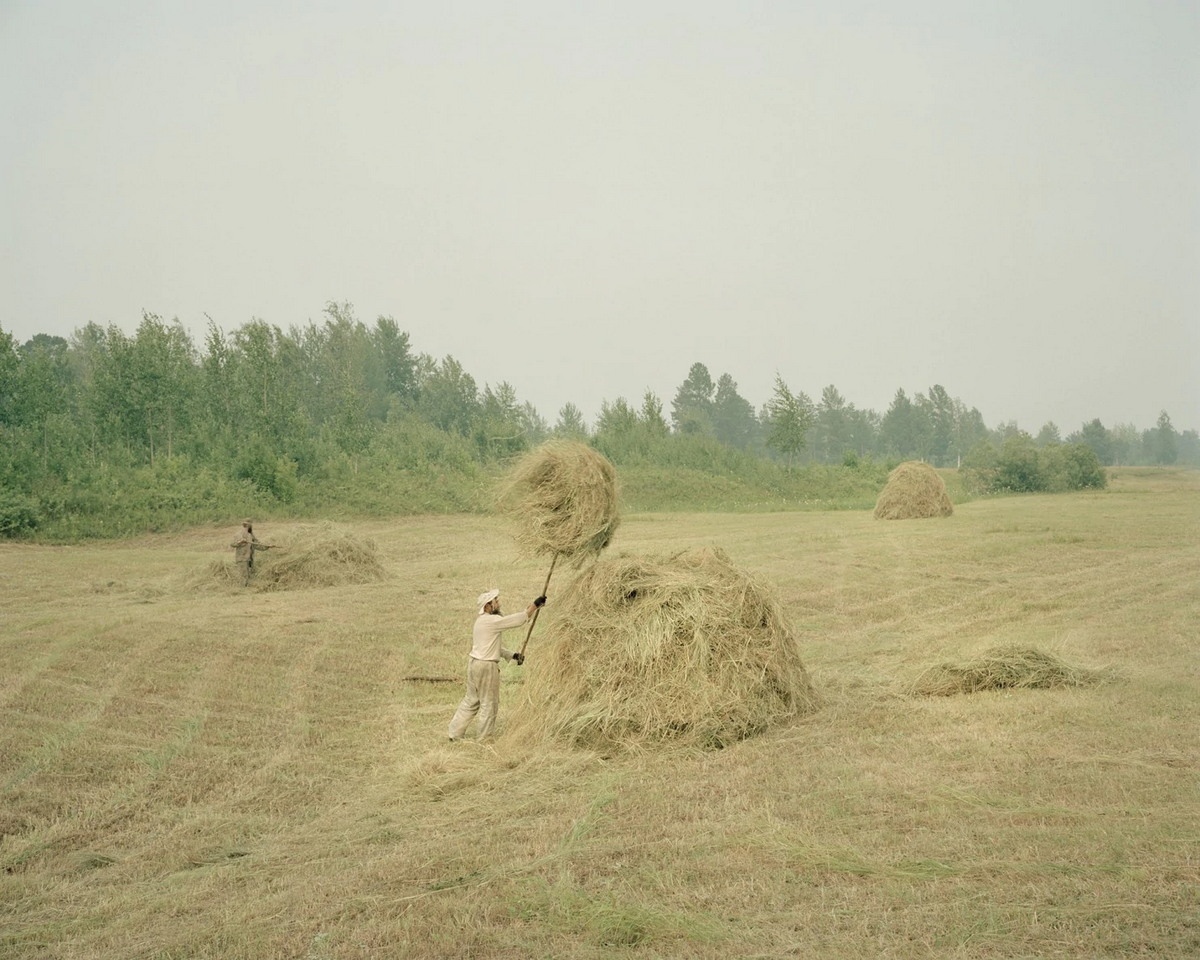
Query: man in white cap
{"points": [[483, 667]]}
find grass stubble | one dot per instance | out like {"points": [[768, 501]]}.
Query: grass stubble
{"points": [[224, 773]]}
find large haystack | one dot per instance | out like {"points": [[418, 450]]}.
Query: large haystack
{"points": [[1004, 668], [914, 490], [686, 649], [563, 499]]}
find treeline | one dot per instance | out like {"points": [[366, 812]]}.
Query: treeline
{"points": [[109, 433]]}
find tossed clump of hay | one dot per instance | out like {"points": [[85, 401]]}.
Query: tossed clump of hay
{"points": [[914, 490], [1004, 668], [563, 498], [687, 649]]}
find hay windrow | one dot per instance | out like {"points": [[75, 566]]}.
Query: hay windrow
{"points": [[686, 649], [1004, 668], [317, 556], [562, 497], [913, 491]]}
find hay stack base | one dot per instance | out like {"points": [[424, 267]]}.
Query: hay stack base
{"points": [[914, 491], [563, 498], [1004, 668], [686, 649]]}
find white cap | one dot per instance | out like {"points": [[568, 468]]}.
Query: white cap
{"points": [[486, 598]]}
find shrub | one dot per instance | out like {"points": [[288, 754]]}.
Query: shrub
{"points": [[18, 513]]}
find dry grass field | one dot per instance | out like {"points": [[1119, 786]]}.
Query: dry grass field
{"points": [[193, 770]]}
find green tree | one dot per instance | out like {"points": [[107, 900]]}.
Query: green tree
{"points": [[41, 398], [500, 429], [940, 428], [732, 415], [1017, 469], [1095, 436], [1125, 444], [533, 424], [1166, 441], [620, 433], [652, 415], [398, 362], [832, 429], [692, 408], [789, 418], [164, 379], [905, 431], [1048, 434], [447, 397], [570, 422]]}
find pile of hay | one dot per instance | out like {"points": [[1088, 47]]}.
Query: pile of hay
{"points": [[321, 556], [1004, 668], [913, 490], [686, 649], [563, 498]]}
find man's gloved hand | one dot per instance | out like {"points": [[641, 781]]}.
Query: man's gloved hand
{"points": [[539, 601], [519, 659]]}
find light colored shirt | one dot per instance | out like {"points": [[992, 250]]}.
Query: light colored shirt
{"points": [[485, 640]]}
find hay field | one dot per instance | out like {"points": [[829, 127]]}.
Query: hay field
{"points": [[225, 774]]}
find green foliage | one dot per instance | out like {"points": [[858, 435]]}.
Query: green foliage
{"points": [[109, 433], [1021, 466], [18, 513], [692, 408], [1165, 443], [789, 418]]}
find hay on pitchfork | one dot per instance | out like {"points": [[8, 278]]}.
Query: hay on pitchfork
{"points": [[563, 499], [914, 490], [686, 649], [1004, 668]]}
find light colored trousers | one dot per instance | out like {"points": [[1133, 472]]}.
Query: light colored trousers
{"points": [[482, 698]]}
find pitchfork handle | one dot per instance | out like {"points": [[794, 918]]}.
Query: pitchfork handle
{"points": [[537, 610]]}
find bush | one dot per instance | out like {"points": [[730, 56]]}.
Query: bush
{"points": [[18, 513], [1021, 467]]}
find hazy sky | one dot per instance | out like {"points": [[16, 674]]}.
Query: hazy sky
{"points": [[585, 199]]}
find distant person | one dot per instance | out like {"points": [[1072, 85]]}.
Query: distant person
{"points": [[244, 548], [483, 665]]}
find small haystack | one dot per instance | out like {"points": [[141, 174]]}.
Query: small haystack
{"points": [[914, 490], [320, 556], [1004, 668], [686, 649], [563, 498]]}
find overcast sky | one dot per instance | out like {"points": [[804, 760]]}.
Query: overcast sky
{"points": [[584, 199]]}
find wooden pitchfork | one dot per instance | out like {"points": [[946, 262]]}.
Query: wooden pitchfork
{"points": [[537, 610]]}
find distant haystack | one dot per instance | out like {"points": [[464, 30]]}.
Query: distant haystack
{"points": [[563, 499], [914, 490], [1004, 668], [685, 649], [320, 556]]}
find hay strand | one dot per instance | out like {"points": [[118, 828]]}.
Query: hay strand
{"points": [[562, 497], [913, 491], [1004, 668], [686, 649]]}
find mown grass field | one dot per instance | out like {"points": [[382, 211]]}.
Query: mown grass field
{"points": [[189, 770]]}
